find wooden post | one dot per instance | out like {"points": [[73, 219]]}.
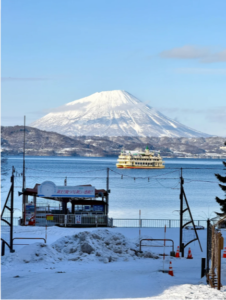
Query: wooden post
{"points": [[208, 244], [220, 247]]}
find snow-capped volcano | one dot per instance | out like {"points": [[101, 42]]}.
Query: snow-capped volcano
{"points": [[112, 113]]}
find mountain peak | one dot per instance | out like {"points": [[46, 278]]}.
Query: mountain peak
{"points": [[112, 113]]}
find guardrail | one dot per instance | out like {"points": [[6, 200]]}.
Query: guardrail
{"points": [[104, 220], [158, 223]]}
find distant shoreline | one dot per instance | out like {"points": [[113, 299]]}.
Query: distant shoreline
{"points": [[111, 156]]}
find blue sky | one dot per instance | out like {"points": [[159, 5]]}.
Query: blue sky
{"points": [[169, 54]]}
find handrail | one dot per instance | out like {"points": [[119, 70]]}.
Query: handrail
{"points": [[18, 238], [157, 240]]}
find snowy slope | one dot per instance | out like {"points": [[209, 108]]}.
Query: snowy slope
{"points": [[112, 113]]}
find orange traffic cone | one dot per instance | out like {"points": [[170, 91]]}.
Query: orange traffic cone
{"points": [[178, 252], [224, 254], [189, 254], [170, 269]]}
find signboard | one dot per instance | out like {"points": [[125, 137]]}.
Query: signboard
{"points": [[49, 217], [78, 219], [98, 208], [49, 189]]}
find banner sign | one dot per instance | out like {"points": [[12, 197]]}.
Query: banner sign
{"points": [[49, 189], [78, 219]]}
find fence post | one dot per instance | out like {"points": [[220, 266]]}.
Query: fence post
{"points": [[65, 220], [169, 223], [208, 249], [198, 222]]}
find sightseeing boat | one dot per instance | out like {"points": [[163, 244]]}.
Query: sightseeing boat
{"points": [[139, 160]]}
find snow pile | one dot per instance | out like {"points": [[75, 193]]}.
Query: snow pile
{"points": [[37, 252], [101, 245]]}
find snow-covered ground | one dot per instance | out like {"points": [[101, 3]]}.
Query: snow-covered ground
{"points": [[99, 264]]}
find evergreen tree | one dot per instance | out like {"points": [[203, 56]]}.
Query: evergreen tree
{"points": [[222, 202]]}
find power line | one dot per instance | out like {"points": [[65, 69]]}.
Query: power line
{"points": [[66, 172]]}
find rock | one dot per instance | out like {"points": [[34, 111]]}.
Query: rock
{"points": [[150, 255], [87, 248], [117, 250], [96, 236], [73, 250], [60, 272]]}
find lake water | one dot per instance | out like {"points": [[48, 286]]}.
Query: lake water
{"points": [[156, 197]]}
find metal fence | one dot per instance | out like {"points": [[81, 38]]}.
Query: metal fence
{"points": [[71, 220], [104, 220], [170, 223]]}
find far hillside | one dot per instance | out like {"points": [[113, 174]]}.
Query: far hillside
{"points": [[46, 143]]}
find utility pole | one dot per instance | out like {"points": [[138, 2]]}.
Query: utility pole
{"points": [[181, 214], [107, 188], [24, 179], [12, 210]]}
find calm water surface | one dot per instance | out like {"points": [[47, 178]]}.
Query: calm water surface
{"points": [[131, 190]]}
